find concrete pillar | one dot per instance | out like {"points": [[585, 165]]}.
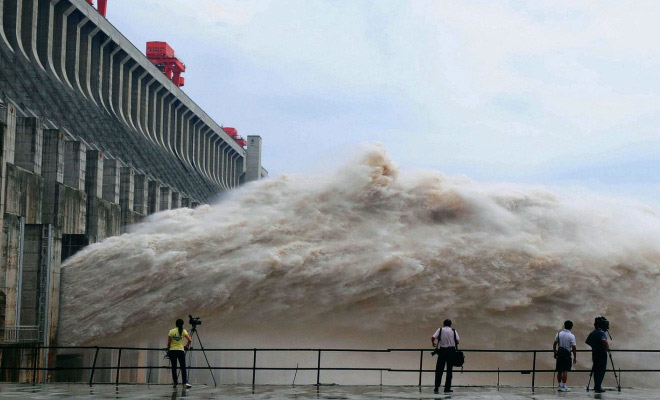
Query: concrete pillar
{"points": [[13, 9], [52, 170], [119, 84], [154, 196], [168, 123], [165, 198], [71, 53], [232, 169], [111, 173], [189, 142], [45, 36], [141, 194], [47, 25], [117, 57], [176, 200], [104, 68], [213, 143], [80, 67], [94, 188], [127, 91], [175, 131], [29, 30], [8, 131], [62, 39], [52, 164], [194, 144], [75, 159], [8, 118], [141, 102], [240, 169], [222, 157], [3, 37], [147, 109], [130, 95], [155, 105], [182, 123], [29, 141], [88, 46], [127, 194], [164, 118], [94, 174], [253, 172]]}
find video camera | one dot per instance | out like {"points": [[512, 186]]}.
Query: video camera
{"points": [[194, 321], [602, 323]]}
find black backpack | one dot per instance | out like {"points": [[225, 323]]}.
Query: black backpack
{"points": [[458, 358]]}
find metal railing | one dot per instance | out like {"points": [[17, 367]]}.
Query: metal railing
{"points": [[21, 334], [255, 367]]}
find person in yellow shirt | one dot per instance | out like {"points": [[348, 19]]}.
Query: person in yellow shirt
{"points": [[176, 351]]}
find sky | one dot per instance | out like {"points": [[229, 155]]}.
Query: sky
{"points": [[558, 93]]}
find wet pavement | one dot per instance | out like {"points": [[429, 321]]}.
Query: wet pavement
{"points": [[143, 392]]}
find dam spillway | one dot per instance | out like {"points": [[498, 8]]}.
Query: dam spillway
{"points": [[94, 138]]}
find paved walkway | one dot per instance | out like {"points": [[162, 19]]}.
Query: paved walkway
{"points": [[140, 392]]}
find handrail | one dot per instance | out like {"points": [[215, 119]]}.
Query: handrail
{"points": [[318, 368]]}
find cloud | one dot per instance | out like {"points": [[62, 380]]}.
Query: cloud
{"points": [[467, 86]]}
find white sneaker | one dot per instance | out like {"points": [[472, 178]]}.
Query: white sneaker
{"points": [[561, 389], [567, 389], [188, 385]]}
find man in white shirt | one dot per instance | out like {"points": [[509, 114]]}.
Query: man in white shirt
{"points": [[447, 339], [563, 345]]}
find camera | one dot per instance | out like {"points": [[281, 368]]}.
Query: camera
{"points": [[602, 323], [194, 321]]}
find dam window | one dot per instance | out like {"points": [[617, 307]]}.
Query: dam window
{"points": [[71, 244]]}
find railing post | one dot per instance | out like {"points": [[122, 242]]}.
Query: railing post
{"points": [[318, 369], [118, 365], [254, 367], [35, 360], [421, 360], [534, 372], [91, 376]]}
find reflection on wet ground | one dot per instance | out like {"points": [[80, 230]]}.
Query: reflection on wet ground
{"points": [[142, 392]]}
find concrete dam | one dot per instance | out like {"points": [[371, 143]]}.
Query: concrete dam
{"points": [[94, 138]]}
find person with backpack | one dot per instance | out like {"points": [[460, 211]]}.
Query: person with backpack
{"points": [[562, 347], [447, 340]]}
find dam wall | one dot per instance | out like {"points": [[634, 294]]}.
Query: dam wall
{"points": [[94, 139]]}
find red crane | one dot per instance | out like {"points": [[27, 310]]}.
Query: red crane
{"points": [[103, 6], [233, 133], [163, 57]]}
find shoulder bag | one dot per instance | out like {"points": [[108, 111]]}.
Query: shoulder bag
{"points": [[459, 358]]}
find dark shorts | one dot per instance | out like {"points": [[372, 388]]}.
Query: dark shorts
{"points": [[564, 364]]}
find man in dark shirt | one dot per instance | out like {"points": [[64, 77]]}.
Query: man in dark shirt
{"points": [[597, 340]]}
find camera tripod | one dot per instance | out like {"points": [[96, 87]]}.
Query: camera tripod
{"points": [[616, 377], [194, 332]]}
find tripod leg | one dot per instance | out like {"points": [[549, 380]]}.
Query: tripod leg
{"points": [[201, 346], [590, 375], [616, 378]]}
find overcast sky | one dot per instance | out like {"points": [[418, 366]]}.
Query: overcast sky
{"points": [[557, 92]]}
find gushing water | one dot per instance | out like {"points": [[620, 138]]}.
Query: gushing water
{"points": [[370, 257]]}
